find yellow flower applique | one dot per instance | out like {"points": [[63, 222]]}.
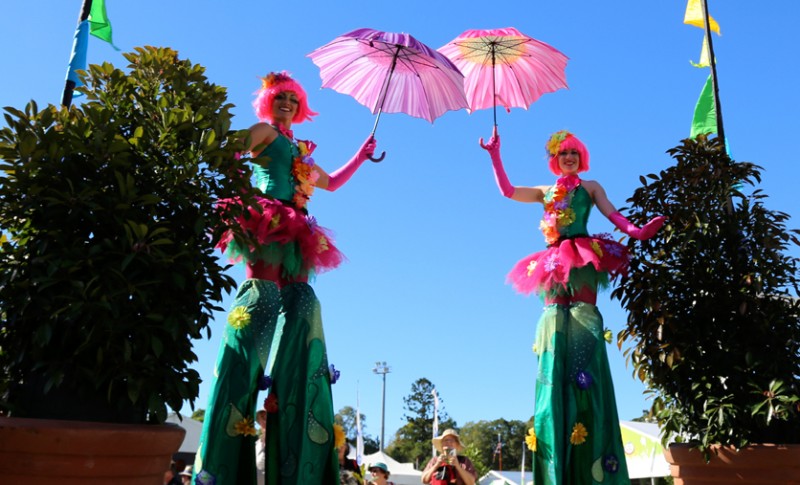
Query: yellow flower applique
{"points": [[607, 336], [530, 440], [566, 217], [579, 434], [238, 318], [531, 267], [245, 427], [323, 244], [302, 148], [596, 249], [276, 219], [338, 435]]}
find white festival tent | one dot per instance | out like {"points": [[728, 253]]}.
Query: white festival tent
{"points": [[401, 473], [644, 456]]}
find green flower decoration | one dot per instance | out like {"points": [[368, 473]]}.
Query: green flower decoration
{"points": [[238, 318]]}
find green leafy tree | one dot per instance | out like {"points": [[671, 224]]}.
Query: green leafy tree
{"points": [[412, 442], [713, 313], [107, 265], [483, 437], [346, 418]]}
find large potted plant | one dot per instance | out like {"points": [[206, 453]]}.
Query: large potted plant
{"points": [[713, 318], [107, 265]]}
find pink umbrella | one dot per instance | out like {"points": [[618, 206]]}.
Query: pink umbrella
{"points": [[520, 68], [391, 72]]}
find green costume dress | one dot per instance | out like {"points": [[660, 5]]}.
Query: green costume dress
{"points": [[578, 440], [274, 340]]}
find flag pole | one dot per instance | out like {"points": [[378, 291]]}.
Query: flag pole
{"points": [[69, 86], [714, 80]]}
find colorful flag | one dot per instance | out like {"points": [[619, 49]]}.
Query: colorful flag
{"points": [[705, 112], [694, 16], [100, 25], [435, 419], [359, 436], [705, 57], [77, 59]]}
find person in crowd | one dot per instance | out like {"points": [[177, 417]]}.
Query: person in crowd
{"points": [[349, 470], [380, 474], [448, 467]]}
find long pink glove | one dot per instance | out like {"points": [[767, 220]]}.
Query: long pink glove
{"points": [[493, 147], [649, 230], [343, 174]]}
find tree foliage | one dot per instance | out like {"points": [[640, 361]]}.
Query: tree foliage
{"points": [[109, 268], [713, 314], [482, 436], [346, 418], [412, 442]]}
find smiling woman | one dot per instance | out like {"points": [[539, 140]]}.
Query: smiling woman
{"points": [[576, 436], [274, 339]]}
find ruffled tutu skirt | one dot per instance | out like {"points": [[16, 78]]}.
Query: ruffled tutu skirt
{"points": [[286, 237], [569, 265]]}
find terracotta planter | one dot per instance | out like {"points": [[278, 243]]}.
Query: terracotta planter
{"points": [[46, 452], [754, 464]]}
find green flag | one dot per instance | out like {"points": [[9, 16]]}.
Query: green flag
{"points": [[98, 20], [705, 112]]}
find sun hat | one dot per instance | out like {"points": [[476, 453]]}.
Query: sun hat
{"points": [[187, 472], [437, 442], [380, 466]]}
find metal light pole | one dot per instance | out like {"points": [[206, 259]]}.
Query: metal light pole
{"points": [[382, 369]]}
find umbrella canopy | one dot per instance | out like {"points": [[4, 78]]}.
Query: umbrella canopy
{"points": [[391, 72], [505, 66]]}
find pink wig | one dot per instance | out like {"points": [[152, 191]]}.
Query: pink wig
{"points": [[273, 84], [564, 140]]}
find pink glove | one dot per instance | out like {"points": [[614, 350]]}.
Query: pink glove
{"points": [[343, 174], [493, 147], [646, 232]]}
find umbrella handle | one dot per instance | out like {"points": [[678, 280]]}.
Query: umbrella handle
{"points": [[379, 159]]}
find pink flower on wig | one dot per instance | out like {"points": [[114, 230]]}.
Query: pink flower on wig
{"points": [[273, 84]]}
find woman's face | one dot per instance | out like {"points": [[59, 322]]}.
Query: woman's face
{"points": [[449, 442], [378, 474], [569, 161], [284, 107]]}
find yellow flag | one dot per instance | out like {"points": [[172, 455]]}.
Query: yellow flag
{"points": [[705, 58], [694, 16]]}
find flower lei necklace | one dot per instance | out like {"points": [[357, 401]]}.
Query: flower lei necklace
{"points": [[557, 211], [302, 168]]}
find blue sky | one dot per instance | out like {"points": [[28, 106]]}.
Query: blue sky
{"points": [[428, 237]]}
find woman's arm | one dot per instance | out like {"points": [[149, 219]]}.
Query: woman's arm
{"points": [[599, 197], [342, 175], [520, 194], [607, 208], [430, 469], [261, 134]]}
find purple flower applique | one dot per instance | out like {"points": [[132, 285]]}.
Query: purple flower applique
{"points": [[584, 380], [308, 160], [613, 249], [561, 205], [204, 478], [334, 374], [312, 223], [611, 463], [551, 264], [264, 382]]}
